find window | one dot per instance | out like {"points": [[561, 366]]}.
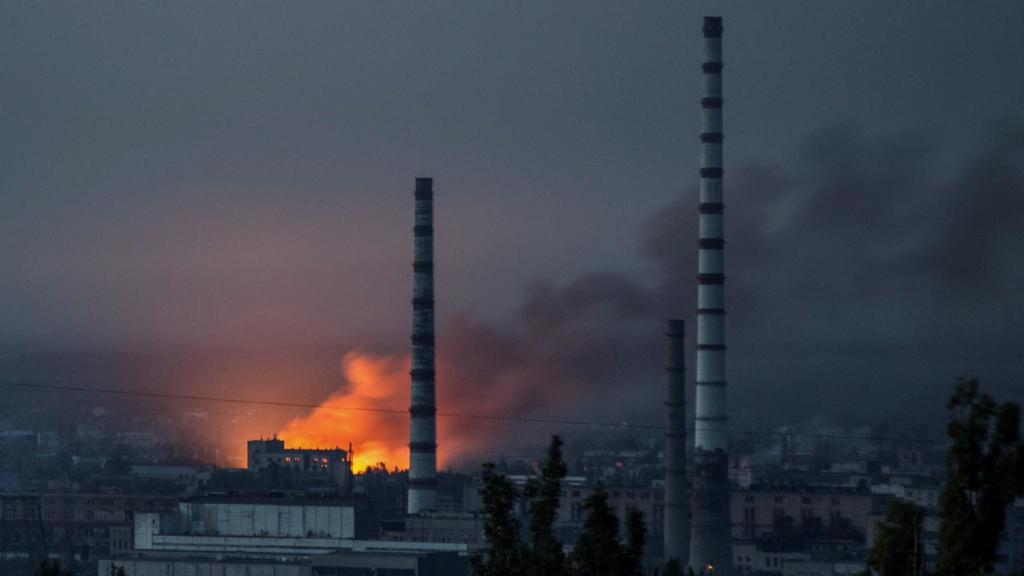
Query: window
{"points": [[806, 500], [778, 499], [835, 501]]}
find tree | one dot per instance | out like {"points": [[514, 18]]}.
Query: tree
{"points": [[505, 554], [986, 473], [598, 551], [897, 549], [633, 550], [547, 558]]}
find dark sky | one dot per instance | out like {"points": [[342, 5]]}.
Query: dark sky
{"points": [[221, 174]]}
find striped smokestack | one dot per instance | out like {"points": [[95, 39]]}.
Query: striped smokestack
{"points": [[422, 428], [711, 544], [677, 501]]}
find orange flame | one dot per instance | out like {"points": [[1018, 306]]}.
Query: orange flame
{"points": [[489, 379], [374, 383]]}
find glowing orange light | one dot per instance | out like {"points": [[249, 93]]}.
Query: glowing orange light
{"points": [[374, 382]]}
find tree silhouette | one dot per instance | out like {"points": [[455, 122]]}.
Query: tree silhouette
{"points": [[897, 549], [505, 555], [986, 474], [547, 558]]}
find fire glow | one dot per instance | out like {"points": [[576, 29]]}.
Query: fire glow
{"points": [[363, 413], [516, 380]]}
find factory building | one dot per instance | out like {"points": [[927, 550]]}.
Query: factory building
{"points": [[465, 527], [36, 525], [804, 513], [331, 464], [344, 563], [277, 536]]}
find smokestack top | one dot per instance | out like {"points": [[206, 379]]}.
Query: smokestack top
{"points": [[676, 327], [712, 26], [424, 184]]}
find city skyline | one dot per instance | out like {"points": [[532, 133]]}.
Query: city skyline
{"points": [[185, 228], [471, 288]]}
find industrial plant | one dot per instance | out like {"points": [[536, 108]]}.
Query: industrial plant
{"points": [[524, 439]]}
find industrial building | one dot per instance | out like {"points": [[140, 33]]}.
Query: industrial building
{"points": [[278, 536], [333, 465], [34, 526]]}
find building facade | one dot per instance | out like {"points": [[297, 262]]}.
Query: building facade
{"points": [[333, 464]]}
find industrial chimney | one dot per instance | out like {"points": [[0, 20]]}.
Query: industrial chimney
{"points": [[422, 428], [711, 542], [677, 501]]}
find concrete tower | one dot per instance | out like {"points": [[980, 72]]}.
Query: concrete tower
{"points": [[677, 500], [422, 428], [711, 542]]}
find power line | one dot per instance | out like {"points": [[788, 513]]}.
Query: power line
{"points": [[486, 417]]}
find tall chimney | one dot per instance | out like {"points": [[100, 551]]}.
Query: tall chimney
{"points": [[677, 502], [711, 542], [422, 428]]}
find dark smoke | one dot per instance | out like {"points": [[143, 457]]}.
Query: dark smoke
{"points": [[859, 287], [860, 284]]}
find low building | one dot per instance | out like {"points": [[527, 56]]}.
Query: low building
{"points": [[67, 524], [923, 494], [272, 536], [807, 512], [438, 526], [191, 477], [236, 524], [359, 564], [181, 565]]}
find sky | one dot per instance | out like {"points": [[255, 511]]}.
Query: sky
{"points": [[195, 177]]}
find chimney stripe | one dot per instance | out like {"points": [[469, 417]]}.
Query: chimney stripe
{"points": [[422, 494], [710, 541]]}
